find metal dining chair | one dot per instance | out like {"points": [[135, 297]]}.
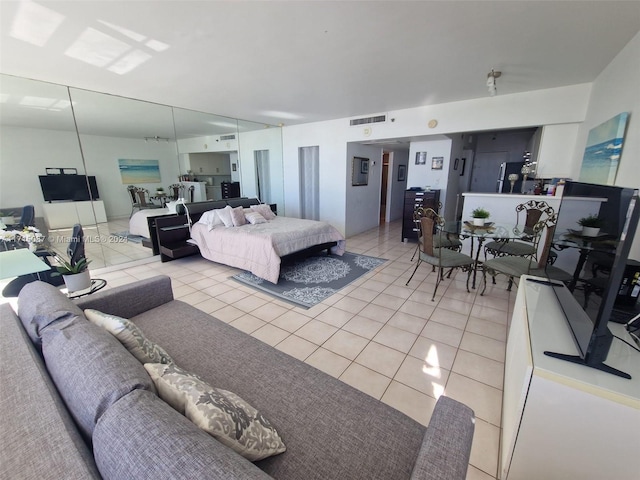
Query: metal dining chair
{"points": [[534, 211], [515, 266], [447, 240], [440, 257]]}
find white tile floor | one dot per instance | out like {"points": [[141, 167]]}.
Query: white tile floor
{"points": [[378, 335]]}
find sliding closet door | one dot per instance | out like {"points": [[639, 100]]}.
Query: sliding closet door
{"points": [[263, 182], [309, 162]]}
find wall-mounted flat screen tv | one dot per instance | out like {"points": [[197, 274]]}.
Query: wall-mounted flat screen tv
{"points": [[68, 187]]}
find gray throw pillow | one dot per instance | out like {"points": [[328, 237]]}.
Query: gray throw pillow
{"points": [[130, 336], [222, 414]]}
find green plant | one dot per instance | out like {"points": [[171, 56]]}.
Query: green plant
{"points": [[67, 269], [480, 213], [591, 221]]}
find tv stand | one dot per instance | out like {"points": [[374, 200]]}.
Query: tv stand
{"points": [[560, 419], [598, 366]]}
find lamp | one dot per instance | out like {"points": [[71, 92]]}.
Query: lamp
{"points": [[491, 82]]}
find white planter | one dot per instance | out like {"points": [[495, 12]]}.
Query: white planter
{"points": [[590, 231], [78, 281], [479, 222]]}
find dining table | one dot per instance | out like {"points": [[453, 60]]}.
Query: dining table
{"points": [[480, 233]]}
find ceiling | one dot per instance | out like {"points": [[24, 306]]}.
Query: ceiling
{"points": [[298, 62]]}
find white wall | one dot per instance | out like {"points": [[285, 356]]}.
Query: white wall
{"points": [[617, 90], [363, 201], [424, 175], [530, 109], [25, 153], [101, 157]]}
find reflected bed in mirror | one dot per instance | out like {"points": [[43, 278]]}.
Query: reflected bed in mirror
{"points": [[360, 171]]}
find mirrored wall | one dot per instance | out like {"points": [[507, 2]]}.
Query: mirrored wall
{"points": [[115, 144]]}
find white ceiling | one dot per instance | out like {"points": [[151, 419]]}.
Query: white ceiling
{"points": [[298, 62]]}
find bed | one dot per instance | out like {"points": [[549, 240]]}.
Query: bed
{"points": [[138, 224], [259, 248]]}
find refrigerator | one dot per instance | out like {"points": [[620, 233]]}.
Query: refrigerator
{"points": [[506, 169]]}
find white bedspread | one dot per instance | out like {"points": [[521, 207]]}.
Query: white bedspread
{"points": [[258, 248], [138, 222]]}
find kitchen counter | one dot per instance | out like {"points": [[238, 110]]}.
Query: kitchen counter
{"points": [[502, 206]]}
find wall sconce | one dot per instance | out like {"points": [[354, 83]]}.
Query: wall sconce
{"points": [[491, 82]]}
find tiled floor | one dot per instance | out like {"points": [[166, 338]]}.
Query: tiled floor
{"points": [[378, 335]]}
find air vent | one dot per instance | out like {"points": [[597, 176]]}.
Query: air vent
{"points": [[367, 120], [227, 137]]}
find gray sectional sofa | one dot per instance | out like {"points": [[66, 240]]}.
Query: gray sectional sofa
{"points": [[75, 404]]}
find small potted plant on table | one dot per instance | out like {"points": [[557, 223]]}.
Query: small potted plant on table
{"points": [[480, 216], [76, 277], [591, 225]]}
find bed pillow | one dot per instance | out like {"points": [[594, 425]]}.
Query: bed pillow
{"points": [[225, 216], [264, 210], [130, 336], [237, 215], [220, 413], [210, 219], [254, 218]]}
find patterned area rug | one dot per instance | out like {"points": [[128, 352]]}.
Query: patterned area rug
{"points": [[129, 237], [309, 281]]}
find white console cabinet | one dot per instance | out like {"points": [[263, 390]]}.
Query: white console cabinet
{"points": [[562, 420], [66, 214]]}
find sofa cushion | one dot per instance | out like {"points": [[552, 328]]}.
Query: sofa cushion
{"points": [[136, 438], [130, 336], [40, 304], [222, 414], [90, 368], [331, 429]]}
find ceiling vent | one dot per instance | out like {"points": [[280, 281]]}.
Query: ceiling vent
{"points": [[368, 120], [227, 137]]}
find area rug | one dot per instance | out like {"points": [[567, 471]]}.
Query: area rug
{"points": [[307, 282], [129, 237]]}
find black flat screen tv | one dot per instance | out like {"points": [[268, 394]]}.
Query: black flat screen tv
{"points": [[596, 263], [68, 187]]}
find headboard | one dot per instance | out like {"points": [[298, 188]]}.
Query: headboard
{"points": [[196, 209]]}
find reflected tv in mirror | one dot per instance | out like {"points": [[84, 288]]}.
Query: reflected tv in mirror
{"points": [[596, 262]]}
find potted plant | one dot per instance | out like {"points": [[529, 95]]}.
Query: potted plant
{"points": [[480, 216], [591, 225], [6, 218], [76, 277]]}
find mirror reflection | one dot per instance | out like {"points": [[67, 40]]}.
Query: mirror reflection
{"points": [[129, 146], [360, 171], [208, 154]]}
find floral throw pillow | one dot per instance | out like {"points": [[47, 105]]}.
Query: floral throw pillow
{"points": [[130, 336], [220, 413]]}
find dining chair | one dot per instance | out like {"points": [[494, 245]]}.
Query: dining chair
{"points": [[176, 191], [448, 240], [133, 196], [143, 199], [440, 257], [515, 266], [534, 211]]}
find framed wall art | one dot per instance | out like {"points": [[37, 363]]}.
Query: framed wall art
{"points": [[421, 158], [402, 173], [437, 163]]}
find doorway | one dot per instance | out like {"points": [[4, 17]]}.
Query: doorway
{"points": [[384, 185]]}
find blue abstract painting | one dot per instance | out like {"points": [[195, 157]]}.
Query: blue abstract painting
{"points": [[602, 152], [139, 171]]}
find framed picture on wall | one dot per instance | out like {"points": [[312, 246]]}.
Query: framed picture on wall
{"points": [[436, 163], [421, 158], [402, 173]]}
